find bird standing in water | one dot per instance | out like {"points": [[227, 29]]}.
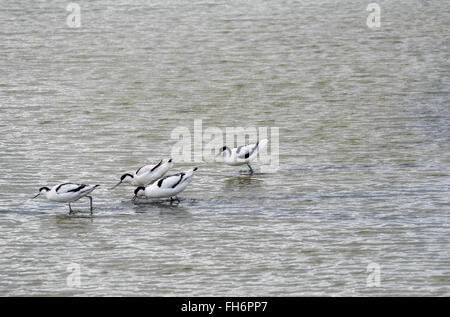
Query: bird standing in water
{"points": [[167, 187], [67, 193], [242, 154], [146, 174]]}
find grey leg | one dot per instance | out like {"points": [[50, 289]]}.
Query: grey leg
{"points": [[251, 169], [70, 209], [90, 199]]}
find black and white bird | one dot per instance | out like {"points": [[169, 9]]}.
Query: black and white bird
{"points": [[67, 193], [146, 174], [167, 187], [242, 154]]}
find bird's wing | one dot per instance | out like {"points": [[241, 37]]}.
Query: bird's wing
{"points": [[147, 168], [170, 181], [69, 188], [143, 170], [244, 152]]}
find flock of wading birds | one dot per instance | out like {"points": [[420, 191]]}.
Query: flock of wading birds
{"points": [[150, 180]]}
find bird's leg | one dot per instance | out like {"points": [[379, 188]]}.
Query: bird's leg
{"points": [[172, 200], [70, 210], [251, 169], [90, 199]]}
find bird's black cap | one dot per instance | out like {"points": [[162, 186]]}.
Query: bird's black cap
{"points": [[125, 175], [138, 189]]}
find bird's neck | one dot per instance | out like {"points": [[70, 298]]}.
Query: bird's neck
{"points": [[227, 152]]}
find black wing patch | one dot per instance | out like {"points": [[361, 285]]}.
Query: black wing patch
{"points": [[250, 152], [156, 166], [78, 188], [163, 179], [139, 169], [182, 175], [61, 185]]}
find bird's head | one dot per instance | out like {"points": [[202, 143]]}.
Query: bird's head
{"points": [[140, 191], [125, 178], [42, 190]]}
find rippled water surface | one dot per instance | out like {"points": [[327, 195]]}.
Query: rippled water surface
{"points": [[363, 115]]}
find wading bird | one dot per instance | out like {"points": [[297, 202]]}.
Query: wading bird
{"points": [[146, 174], [242, 154], [167, 187], [67, 193]]}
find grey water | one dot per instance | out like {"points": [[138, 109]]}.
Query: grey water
{"points": [[358, 207]]}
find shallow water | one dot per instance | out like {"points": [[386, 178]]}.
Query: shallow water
{"points": [[364, 171]]}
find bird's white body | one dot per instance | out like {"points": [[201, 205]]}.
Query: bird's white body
{"points": [[242, 154], [69, 192], [147, 174], [168, 186]]}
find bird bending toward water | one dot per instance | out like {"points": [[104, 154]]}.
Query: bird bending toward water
{"points": [[146, 174], [67, 193], [242, 154], [166, 187]]}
